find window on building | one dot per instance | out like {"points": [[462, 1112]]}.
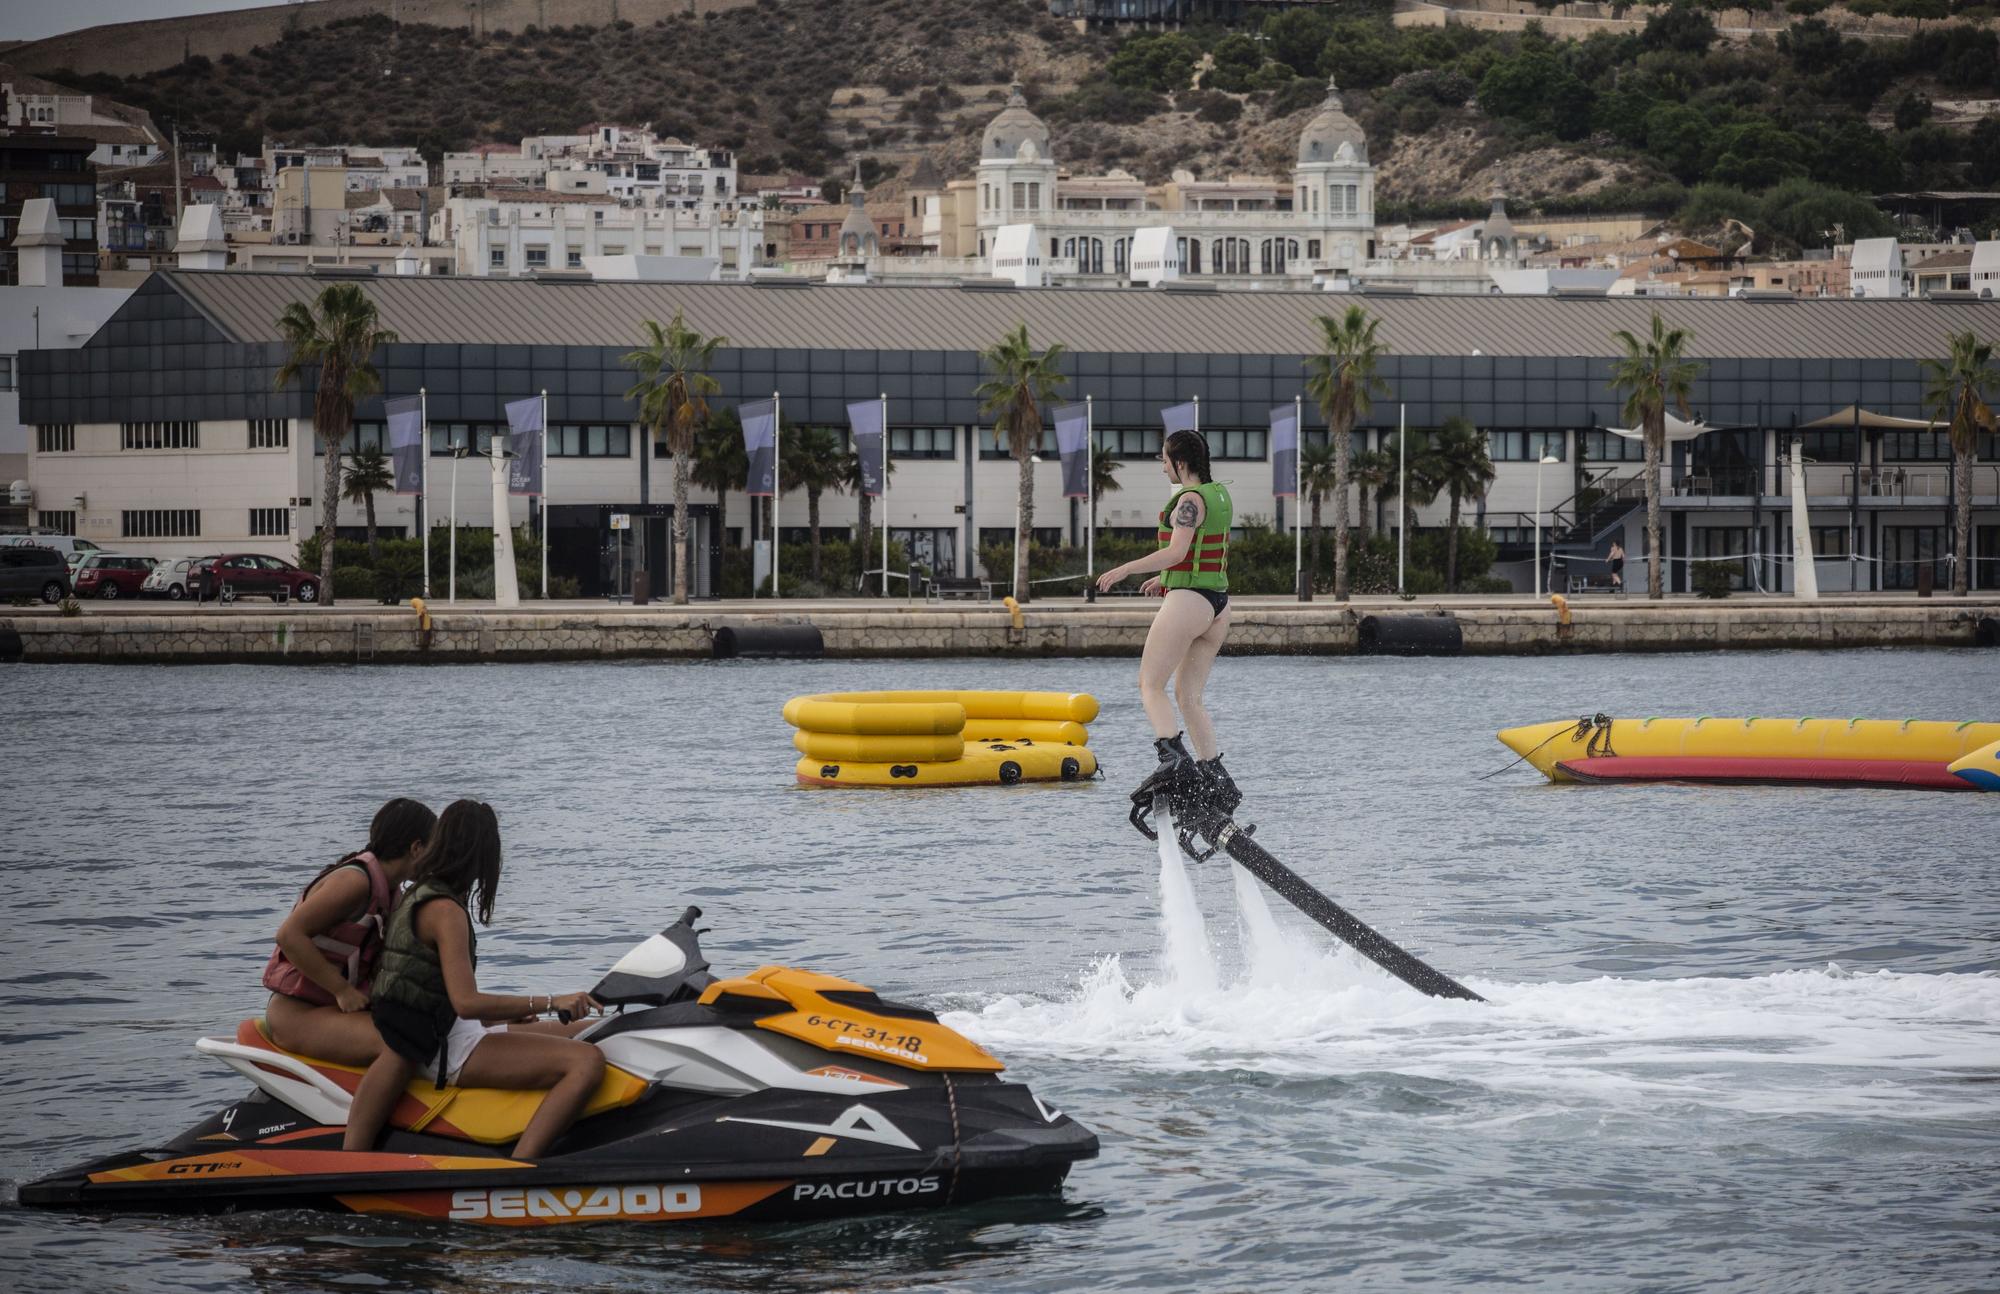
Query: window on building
{"points": [[537, 258], [55, 438], [360, 436], [79, 265], [266, 523], [1245, 443], [60, 523], [1035, 194], [1829, 541], [1725, 543], [590, 440], [1520, 445], [162, 435], [1312, 249], [1600, 446], [6, 372], [1130, 442], [1906, 549], [573, 259], [71, 195], [1827, 446], [1357, 439], [1003, 536], [992, 447], [160, 523], [1916, 446], [270, 433], [79, 229], [922, 442], [496, 258], [1020, 194], [477, 437]]}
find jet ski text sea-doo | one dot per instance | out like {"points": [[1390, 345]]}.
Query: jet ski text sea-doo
{"points": [[779, 1095]]}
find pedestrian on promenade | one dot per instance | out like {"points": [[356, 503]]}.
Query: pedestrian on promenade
{"points": [[1617, 559]]}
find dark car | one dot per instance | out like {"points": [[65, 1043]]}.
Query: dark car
{"points": [[27, 572], [111, 575], [238, 575]]}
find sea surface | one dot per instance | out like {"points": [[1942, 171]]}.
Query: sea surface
{"points": [[1737, 1039]]}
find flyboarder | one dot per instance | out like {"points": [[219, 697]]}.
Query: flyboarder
{"points": [[1191, 577]]}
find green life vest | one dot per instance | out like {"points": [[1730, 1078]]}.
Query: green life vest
{"points": [[409, 973], [1207, 563]]}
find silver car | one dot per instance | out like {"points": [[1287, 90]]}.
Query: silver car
{"points": [[169, 579]]}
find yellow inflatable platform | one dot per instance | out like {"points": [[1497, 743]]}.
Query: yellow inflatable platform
{"points": [[1981, 768], [1883, 752], [899, 739]]}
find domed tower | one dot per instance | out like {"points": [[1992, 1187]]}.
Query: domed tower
{"points": [[1497, 239], [1333, 185], [857, 233], [1017, 173]]}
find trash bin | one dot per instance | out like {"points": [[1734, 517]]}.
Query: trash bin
{"points": [[1926, 580], [642, 591]]}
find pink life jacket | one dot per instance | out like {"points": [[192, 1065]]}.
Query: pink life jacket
{"points": [[352, 947]]}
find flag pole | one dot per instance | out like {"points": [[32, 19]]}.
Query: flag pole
{"points": [[545, 494], [1090, 484], [777, 485], [1298, 497], [1402, 488], [424, 484], [453, 557], [1197, 415], [885, 494]]}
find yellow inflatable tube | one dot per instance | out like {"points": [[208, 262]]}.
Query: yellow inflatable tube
{"points": [[1545, 745], [937, 738]]}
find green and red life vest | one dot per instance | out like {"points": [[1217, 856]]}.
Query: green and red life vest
{"points": [[1207, 564]]}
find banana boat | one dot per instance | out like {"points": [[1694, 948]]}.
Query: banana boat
{"points": [[1843, 752]]}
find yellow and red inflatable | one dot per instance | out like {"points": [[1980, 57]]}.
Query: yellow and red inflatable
{"points": [[1849, 752], [901, 739]]}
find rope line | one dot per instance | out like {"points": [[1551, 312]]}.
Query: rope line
{"points": [[1586, 730]]}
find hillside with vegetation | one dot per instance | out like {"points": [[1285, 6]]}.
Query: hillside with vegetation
{"points": [[1784, 133]]}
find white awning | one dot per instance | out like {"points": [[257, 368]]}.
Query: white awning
{"points": [[1851, 417], [1677, 430]]}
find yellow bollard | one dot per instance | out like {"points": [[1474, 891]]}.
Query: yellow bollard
{"points": [[1561, 605], [423, 614], [1014, 610]]}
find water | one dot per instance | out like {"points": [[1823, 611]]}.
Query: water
{"points": [[1738, 1039]]}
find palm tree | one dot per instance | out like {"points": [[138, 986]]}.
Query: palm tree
{"points": [[1342, 381], [367, 473], [720, 461], [337, 334], [673, 382], [1319, 471], [1021, 381], [852, 477], [1954, 393], [1371, 469], [815, 462], [1464, 471], [1653, 373]]}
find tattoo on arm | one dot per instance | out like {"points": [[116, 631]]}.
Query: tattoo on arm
{"points": [[1188, 514]]}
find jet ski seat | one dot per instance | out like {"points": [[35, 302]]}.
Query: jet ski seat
{"points": [[488, 1115]]}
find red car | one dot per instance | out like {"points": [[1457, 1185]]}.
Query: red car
{"points": [[237, 575], [111, 575]]}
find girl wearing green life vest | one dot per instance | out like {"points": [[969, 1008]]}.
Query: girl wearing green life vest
{"points": [[1191, 577], [434, 1018]]}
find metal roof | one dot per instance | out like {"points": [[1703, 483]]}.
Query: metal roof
{"points": [[432, 309]]}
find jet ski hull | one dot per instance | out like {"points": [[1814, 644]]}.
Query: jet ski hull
{"points": [[767, 1158]]}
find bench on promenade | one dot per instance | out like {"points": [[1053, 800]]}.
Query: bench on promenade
{"points": [[937, 590], [1591, 584]]}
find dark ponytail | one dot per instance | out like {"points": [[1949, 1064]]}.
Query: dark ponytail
{"points": [[1190, 450], [400, 826], [464, 856]]}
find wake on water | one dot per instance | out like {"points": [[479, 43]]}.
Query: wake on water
{"points": [[1295, 1003]]}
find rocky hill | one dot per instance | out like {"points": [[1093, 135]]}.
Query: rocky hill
{"points": [[1654, 118]]}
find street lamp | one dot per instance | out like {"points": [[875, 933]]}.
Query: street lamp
{"points": [[1544, 461]]}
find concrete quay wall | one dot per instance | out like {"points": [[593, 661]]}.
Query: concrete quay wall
{"points": [[896, 632]]}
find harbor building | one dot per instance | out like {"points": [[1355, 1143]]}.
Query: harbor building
{"points": [[175, 416]]}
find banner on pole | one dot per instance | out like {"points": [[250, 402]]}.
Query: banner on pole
{"points": [[524, 441], [406, 441], [1073, 443], [1181, 417], [865, 418], [1284, 450], [760, 442]]}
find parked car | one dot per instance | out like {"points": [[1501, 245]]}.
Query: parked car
{"points": [[67, 545], [33, 572], [111, 575], [237, 575], [171, 578]]}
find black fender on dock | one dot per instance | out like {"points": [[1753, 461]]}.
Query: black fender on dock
{"points": [[1987, 633], [1409, 636], [11, 647], [753, 641]]}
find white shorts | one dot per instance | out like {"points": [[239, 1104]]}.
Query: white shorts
{"points": [[458, 1044]]}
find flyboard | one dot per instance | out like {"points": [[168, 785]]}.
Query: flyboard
{"points": [[1203, 821]]}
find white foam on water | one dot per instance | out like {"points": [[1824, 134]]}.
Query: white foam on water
{"points": [[1825, 1040]]}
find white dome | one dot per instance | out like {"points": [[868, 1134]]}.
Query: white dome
{"points": [[1012, 128], [1332, 135]]}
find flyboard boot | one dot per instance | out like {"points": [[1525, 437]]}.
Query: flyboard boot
{"points": [[1222, 793], [1174, 782]]}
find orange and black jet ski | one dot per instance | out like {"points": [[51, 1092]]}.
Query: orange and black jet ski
{"points": [[782, 1094]]}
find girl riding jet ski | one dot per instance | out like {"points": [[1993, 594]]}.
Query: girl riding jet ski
{"points": [[780, 1094]]}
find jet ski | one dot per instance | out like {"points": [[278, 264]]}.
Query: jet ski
{"points": [[779, 1095]]}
